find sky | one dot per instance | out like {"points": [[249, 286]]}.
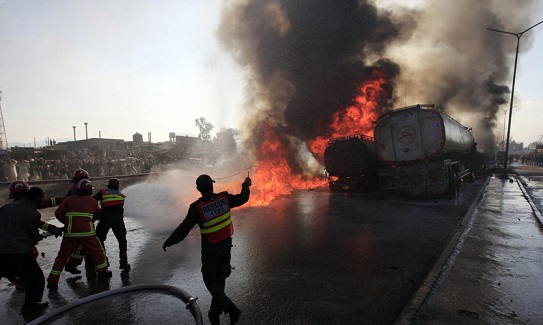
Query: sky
{"points": [[527, 118], [126, 67], [121, 66]]}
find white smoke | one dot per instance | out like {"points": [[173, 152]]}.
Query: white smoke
{"points": [[161, 204]]}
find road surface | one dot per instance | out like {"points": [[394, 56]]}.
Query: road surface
{"points": [[314, 257]]}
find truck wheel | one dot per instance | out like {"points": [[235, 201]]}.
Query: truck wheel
{"points": [[454, 186]]}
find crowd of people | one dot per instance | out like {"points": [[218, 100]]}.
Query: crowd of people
{"points": [[532, 159], [98, 163]]}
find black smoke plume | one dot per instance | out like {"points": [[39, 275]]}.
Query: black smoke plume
{"points": [[304, 60]]}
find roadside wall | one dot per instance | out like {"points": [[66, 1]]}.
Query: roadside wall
{"points": [[59, 188]]}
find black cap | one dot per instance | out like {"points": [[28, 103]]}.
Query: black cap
{"points": [[204, 180]]}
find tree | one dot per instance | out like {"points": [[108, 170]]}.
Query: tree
{"points": [[205, 129], [225, 140], [516, 147]]}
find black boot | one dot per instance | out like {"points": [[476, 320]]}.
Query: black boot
{"points": [[89, 265], [72, 269], [234, 316], [214, 319], [104, 274], [37, 306], [52, 286]]}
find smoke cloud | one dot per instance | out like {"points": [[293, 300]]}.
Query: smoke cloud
{"points": [[454, 61], [161, 204], [305, 60]]}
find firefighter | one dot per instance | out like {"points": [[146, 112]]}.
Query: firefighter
{"points": [[77, 257], [18, 234], [112, 204], [17, 192], [212, 214], [78, 175], [77, 213]]}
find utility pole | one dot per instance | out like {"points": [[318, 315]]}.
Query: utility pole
{"points": [[74, 132], [518, 36], [3, 138], [86, 133], [503, 133]]}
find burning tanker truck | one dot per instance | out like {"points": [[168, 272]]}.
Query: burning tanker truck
{"points": [[424, 151], [351, 163]]}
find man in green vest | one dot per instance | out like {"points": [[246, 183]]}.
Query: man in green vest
{"points": [[212, 214]]}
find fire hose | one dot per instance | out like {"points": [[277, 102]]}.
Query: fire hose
{"points": [[190, 302], [232, 175]]}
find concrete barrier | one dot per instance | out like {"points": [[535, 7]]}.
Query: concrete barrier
{"points": [[59, 188]]}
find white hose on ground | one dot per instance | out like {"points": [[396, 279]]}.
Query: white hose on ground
{"points": [[190, 302]]}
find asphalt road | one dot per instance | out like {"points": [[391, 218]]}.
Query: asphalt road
{"points": [[313, 257]]}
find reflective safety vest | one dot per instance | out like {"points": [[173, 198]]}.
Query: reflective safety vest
{"points": [[215, 215], [79, 224], [53, 201], [112, 197]]}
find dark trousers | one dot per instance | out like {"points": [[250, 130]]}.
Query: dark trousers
{"points": [[28, 270], [215, 269], [115, 223]]}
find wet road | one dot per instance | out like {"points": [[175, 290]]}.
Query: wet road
{"points": [[494, 274], [313, 257]]}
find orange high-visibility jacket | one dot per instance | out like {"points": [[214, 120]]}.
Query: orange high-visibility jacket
{"points": [[77, 213], [215, 215]]}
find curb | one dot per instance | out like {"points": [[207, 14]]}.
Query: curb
{"points": [[528, 198], [441, 267]]}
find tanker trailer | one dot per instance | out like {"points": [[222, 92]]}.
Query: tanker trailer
{"points": [[352, 164], [424, 151]]}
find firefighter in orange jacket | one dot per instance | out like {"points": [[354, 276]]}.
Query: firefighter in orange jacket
{"points": [[77, 213], [112, 203], [212, 214], [77, 257]]}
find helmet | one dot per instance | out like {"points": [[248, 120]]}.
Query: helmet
{"points": [[80, 174], [84, 185], [113, 182], [17, 188]]}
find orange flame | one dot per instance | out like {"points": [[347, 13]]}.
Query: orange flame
{"points": [[272, 174], [355, 119]]}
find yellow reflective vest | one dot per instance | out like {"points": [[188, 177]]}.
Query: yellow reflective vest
{"points": [[215, 215]]}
